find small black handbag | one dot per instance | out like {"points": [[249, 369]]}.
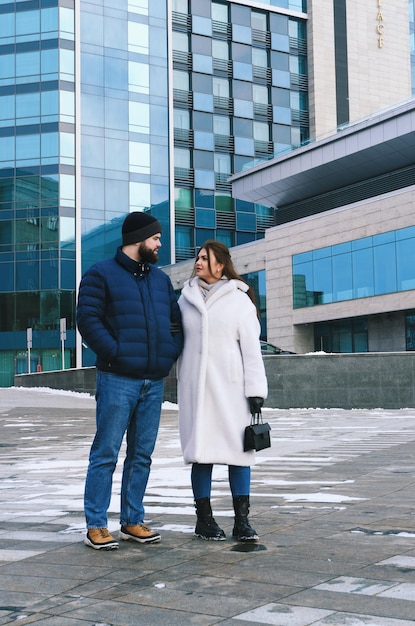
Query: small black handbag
{"points": [[257, 434]]}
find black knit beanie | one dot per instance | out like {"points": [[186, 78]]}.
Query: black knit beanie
{"points": [[138, 226]]}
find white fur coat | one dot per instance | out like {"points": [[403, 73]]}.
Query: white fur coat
{"points": [[220, 367]]}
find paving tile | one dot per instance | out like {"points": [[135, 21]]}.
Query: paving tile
{"points": [[283, 615], [350, 619], [404, 591], [363, 586], [399, 560]]}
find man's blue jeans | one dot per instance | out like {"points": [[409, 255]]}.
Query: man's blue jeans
{"points": [[124, 405]]}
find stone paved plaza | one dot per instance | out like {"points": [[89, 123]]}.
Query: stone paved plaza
{"points": [[333, 501]]}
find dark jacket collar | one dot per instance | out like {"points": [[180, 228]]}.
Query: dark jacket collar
{"points": [[130, 264]]}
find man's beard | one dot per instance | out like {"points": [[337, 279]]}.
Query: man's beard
{"points": [[146, 255]]}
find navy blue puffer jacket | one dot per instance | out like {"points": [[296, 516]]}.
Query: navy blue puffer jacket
{"points": [[130, 318]]}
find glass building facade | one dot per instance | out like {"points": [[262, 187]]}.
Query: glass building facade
{"points": [[240, 93], [371, 266], [113, 106]]}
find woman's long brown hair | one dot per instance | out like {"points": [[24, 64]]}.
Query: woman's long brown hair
{"points": [[223, 256]]}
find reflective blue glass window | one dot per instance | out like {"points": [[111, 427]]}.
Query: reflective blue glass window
{"points": [[93, 194], [202, 25], [221, 125], [49, 145], [6, 235], [385, 268], [49, 19], [27, 275], [280, 42], [92, 69], [202, 121], [67, 64], [116, 32], [27, 105], [243, 34], [203, 159], [242, 71], [159, 160], [158, 81], [116, 155], [323, 280], [382, 238], [7, 276], [204, 179], [7, 25], [204, 198], [304, 257], [405, 258], [363, 273], [219, 12], [342, 277], [28, 64], [202, 83], [405, 233], [92, 153], [303, 284], [116, 113], [67, 22], [203, 141], [49, 275], [222, 163], [205, 218], [7, 104], [27, 22], [92, 109], [371, 266], [49, 103], [117, 192], [242, 90], [243, 53], [184, 241], [202, 235], [281, 79], [139, 77], [66, 106], [202, 63], [138, 117], [246, 222], [27, 147], [68, 277], [244, 146], [243, 108], [116, 73], [92, 30], [7, 66], [203, 102], [226, 237], [322, 253]]}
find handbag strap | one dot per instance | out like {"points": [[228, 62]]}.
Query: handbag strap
{"points": [[256, 418]]}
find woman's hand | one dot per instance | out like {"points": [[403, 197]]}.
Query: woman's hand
{"points": [[255, 404]]}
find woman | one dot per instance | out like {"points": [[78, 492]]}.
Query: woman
{"points": [[221, 379]]}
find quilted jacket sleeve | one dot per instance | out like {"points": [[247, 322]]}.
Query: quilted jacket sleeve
{"points": [[91, 315]]}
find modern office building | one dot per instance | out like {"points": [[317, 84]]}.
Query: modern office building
{"points": [[112, 106], [338, 269]]}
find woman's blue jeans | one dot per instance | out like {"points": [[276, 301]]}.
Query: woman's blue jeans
{"points": [[239, 480], [124, 405]]}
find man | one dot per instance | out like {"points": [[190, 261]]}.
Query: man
{"points": [[128, 314]]}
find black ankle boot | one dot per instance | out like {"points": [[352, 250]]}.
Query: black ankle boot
{"points": [[206, 527], [242, 531]]}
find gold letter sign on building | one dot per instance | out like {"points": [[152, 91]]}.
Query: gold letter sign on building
{"points": [[379, 25]]}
